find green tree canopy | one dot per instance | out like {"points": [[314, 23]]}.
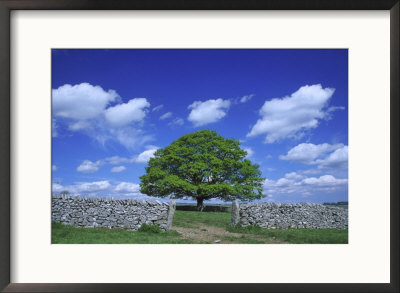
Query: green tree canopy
{"points": [[202, 165]]}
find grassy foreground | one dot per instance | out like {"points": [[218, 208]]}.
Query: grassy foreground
{"points": [[197, 227], [73, 235]]}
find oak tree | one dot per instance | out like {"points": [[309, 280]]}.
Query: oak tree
{"points": [[202, 165]]}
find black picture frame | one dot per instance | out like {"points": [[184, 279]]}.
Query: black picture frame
{"points": [[6, 6]]}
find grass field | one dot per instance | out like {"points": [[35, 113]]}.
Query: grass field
{"points": [[197, 227], [68, 234]]}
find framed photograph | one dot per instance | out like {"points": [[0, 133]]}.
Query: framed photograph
{"points": [[151, 146]]}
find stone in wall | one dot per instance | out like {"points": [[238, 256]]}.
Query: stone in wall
{"points": [[300, 215], [109, 213], [235, 213], [171, 211]]}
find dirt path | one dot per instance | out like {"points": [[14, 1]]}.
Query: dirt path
{"points": [[217, 235]]}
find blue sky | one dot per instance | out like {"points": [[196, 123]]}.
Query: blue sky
{"points": [[111, 109]]}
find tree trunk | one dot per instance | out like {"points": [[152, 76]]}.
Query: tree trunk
{"points": [[200, 205]]}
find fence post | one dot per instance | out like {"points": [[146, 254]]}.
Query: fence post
{"points": [[171, 211], [235, 213]]}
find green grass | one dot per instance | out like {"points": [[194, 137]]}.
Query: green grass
{"points": [[68, 234], [190, 219], [298, 236], [227, 208]]}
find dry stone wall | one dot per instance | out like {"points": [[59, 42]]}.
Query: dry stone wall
{"points": [[111, 213], [284, 216]]}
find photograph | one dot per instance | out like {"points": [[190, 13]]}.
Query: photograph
{"points": [[261, 136], [199, 146]]}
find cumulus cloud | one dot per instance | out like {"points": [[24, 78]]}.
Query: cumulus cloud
{"points": [[127, 187], [87, 109], [166, 115], [83, 187], [57, 187], [283, 182], [306, 153], [145, 156], [210, 111], [293, 176], [337, 159], [93, 186], [249, 151], [289, 116], [81, 101], [123, 114], [118, 169], [101, 188], [294, 183], [177, 121], [325, 180], [324, 155], [88, 166]]}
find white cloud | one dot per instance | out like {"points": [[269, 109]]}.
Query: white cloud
{"points": [[118, 169], [306, 153], [249, 151], [102, 188], [207, 112], [325, 180], [81, 101], [88, 166], [337, 159], [54, 168], [177, 121], [289, 116], [145, 156], [166, 115], [92, 186], [245, 99], [123, 114], [293, 176], [157, 108], [127, 187], [283, 182], [83, 187], [294, 183], [83, 108], [57, 187], [324, 155]]}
